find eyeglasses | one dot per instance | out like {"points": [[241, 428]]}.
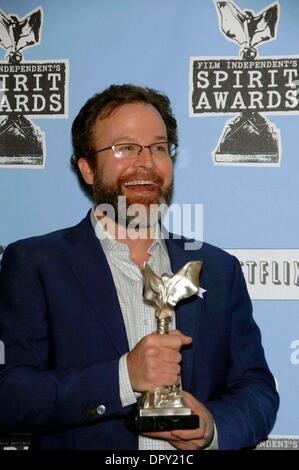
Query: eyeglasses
{"points": [[130, 151]]}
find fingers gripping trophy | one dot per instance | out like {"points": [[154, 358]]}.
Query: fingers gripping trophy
{"points": [[163, 408]]}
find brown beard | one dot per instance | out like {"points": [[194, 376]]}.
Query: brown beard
{"points": [[109, 194]]}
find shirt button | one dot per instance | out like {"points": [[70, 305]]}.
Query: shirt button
{"points": [[101, 409]]}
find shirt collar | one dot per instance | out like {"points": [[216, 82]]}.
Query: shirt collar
{"points": [[109, 243]]}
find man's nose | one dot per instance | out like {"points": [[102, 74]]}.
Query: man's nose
{"points": [[144, 159]]}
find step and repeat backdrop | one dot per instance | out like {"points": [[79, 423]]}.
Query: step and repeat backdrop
{"points": [[231, 70]]}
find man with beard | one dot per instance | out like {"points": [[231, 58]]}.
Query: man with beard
{"points": [[80, 339]]}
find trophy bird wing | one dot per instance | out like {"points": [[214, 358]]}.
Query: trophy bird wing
{"points": [[6, 41], [27, 31], [232, 22], [263, 27], [184, 283], [152, 287]]}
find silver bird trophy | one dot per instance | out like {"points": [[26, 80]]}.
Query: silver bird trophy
{"points": [[163, 408]]}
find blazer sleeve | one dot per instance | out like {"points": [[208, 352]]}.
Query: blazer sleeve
{"points": [[246, 412], [33, 396]]}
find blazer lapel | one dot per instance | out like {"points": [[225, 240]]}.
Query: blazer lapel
{"points": [[187, 311], [86, 257]]}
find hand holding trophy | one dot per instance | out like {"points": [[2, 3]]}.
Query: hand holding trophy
{"points": [[163, 408]]}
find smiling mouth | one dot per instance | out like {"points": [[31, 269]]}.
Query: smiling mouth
{"points": [[141, 185]]}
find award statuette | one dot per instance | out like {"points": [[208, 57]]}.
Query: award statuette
{"points": [[163, 408]]}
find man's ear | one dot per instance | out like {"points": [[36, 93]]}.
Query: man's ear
{"points": [[86, 170]]}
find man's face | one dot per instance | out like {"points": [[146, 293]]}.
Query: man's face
{"points": [[130, 123]]}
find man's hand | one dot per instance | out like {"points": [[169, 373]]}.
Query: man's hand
{"points": [[155, 360], [190, 439]]}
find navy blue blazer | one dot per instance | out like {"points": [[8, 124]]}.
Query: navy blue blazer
{"points": [[64, 333]]}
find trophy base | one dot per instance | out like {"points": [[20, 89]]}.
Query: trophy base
{"points": [[162, 423]]}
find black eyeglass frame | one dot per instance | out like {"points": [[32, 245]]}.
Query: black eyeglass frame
{"points": [[171, 152]]}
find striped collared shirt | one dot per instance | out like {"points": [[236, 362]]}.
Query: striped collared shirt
{"points": [[139, 317]]}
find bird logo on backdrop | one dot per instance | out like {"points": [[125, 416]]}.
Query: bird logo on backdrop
{"points": [[246, 29], [250, 133], [247, 84], [27, 88], [17, 34]]}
